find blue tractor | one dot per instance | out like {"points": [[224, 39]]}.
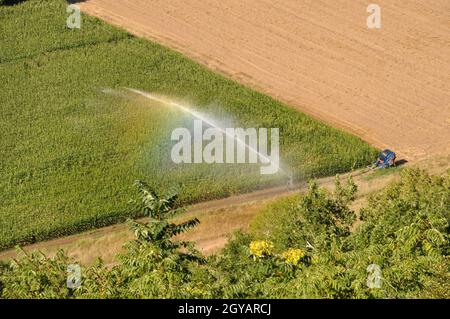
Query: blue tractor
{"points": [[385, 159]]}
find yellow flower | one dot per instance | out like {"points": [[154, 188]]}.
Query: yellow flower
{"points": [[261, 248], [293, 255]]}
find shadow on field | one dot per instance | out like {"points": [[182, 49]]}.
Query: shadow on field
{"points": [[400, 162]]}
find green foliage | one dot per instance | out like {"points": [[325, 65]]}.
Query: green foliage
{"points": [[153, 266], [35, 276], [404, 233], [326, 215], [316, 220], [281, 233], [158, 230], [38, 27], [67, 149], [155, 263]]}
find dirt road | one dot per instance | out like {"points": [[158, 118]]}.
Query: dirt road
{"points": [[390, 86]]}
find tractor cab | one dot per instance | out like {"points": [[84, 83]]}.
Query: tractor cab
{"points": [[385, 159]]}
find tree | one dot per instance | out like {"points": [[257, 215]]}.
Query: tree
{"points": [[155, 265], [159, 230]]}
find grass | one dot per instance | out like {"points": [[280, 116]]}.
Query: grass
{"points": [[383, 172], [69, 153]]}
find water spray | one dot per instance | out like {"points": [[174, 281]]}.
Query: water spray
{"points": [[210, 123]]}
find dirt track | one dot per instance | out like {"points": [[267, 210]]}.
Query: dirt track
{"points": [[212, 237], [389, 86]]}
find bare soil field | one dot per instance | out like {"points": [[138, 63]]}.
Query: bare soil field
{"points": [[390, 86]]}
